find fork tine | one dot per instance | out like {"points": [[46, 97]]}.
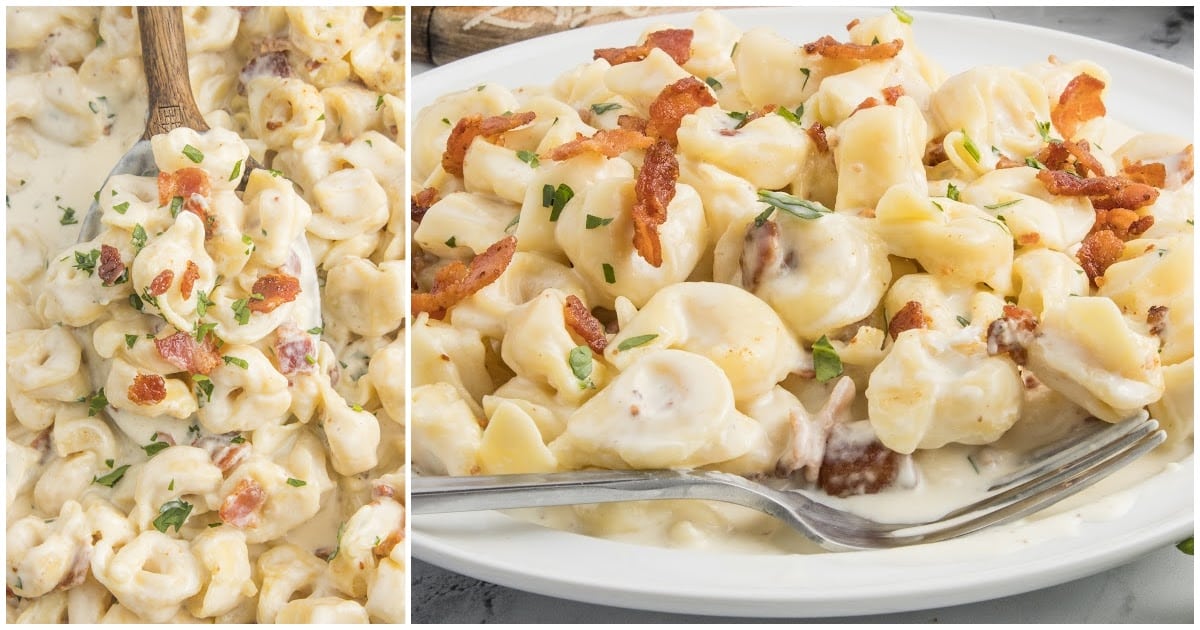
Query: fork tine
{"points": [[1050, 457], [1036, 496], [1120, 437]]}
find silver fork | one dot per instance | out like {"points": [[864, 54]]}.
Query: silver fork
{"points": [[1054, 475]]}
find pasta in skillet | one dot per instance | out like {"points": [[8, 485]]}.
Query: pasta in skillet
{"points": [[831, 261], [201, 425]]}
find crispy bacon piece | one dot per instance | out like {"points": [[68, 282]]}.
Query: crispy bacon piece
{"points": [[910, 316], [1011, 333], [676, 42], [422, 202], [1105, 192], [294, 349], [853, 465], [1098, 251], [191, 185], [456, 281], [630, 122], [581, 320], [866, 103], [385, 546], [269, 63], [809, 435], [161, 282], [655, 188], [276, 289], [476, 126], [1148, 173], [1124, 224], [191, 273], [1156, 318], [817, 133], [184, 352], [240, 508], [1056, 156], [224, 453], [760, 251], [935, 152], [380, 490], [607, 142], [80, 563], [1079, 102], [892, 93], [147, 389], [852, 23], [830, 48], [110, 269], [675, 101]]}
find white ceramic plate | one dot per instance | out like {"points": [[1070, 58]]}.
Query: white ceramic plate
{"points": [[1146, 93]]}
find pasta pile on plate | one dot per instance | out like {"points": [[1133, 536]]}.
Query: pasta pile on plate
{"points": [[722, 249], [202, 425]]}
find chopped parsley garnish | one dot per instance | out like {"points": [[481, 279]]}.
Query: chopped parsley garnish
{"points": [[92, 106], [807, 75], [249, 243], [1033, 162], [217, 524], [176, 206], [193, 153], [203, 330], [342, 526], [120, 208], [826, 362], [610, 275], [204, 385], [68, 216], [513, 223], [528, 157], [600, 108], [238, 439], [446, 121], [790, 116], [97, 402], [713, 83], [274, 173], [171, 487], [556, 199], [451, 242], [130, 340], [237, 170], [172, 513], [109, 463], [154, 447], [592, 222], [316, 330], [795, 206], [580, 360], [356, 407], [87, 262], [875, 40], [902, 15], [296, 483], [1002, 204], [310, 359], [763, 216], [969, 147], [1187, 546], [634, 342], [111, 478], [241, 311], [135, 301], [741, 117], [378, 102], [229, 360], [139, 237], [937, 205], [202, 302], [962, 321], [974, 466], [194, 428], [952, 191], [1043, 129]]}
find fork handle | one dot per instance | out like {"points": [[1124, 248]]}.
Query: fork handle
{"points": [[431, 495], [164, 57]]}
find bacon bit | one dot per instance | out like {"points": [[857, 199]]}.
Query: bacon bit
{"points": [[224, 454], [892, 94], [911, 316], [193, 186], [190, 274], [110, 268], [830, 48], [1187, 165], [579, 319], [385, 547], [1156, 318], [1079, 102], [1086, 164], [655, 188], [1055, 156], [1151, 174], [78, 572], [476, 126], [270, 63], [852, 23], [276, 289], [161, 282], [292, 348], [162, 436], [675, 101], [1105, 192], [867, 103], [1029, 239], [380, 490], [1124, 224], [1098, 251], [760, 252], [607, 142], [851, 466], [456, 282], [935, 152], [184, 352], [1011, 333], [147, 389], [422, 202], [631, 122], [1006, 162], [676, 42], [817, 133], [240, 508]]}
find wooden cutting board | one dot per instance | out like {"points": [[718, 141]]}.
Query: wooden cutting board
{"points": [[442, 34]]}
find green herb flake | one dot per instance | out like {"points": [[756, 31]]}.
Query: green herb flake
{"points": [[154, 448], [451, 242], [962, 321], [171, 486], [310, 359], [952, 191], [610, 275], [212, 525], [204, 385], [970, 148], [231, 360], [795, 206], [109, 463], [790, 116], [1187, 546], [321, 117], [68, 216], [316, 330], [135, 302], [356, 407], [974, 466], [807, 75], [600, 108], [528, 157], [203, 330], [130, 340], [87, 262], [557, 199], [238, 439], [193, 154], [763, 216], [902, 15], [121, 208], [274, 173], [937, 205], [378, 102], [296, 483], [875, 40], [446, 121], [337, 547], [237, 170], [172, 513], [97, 402], [580, 360], [592, 222], [713, 83], [139, 238], [176, 206], [826, 362], [1033, 162], [634, 342], [241, 311], [1043, 129], [202, 302], [1002, 204], [111, 478]]}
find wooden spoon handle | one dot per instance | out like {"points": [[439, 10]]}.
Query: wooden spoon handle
{"points": [[164, 57]]}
